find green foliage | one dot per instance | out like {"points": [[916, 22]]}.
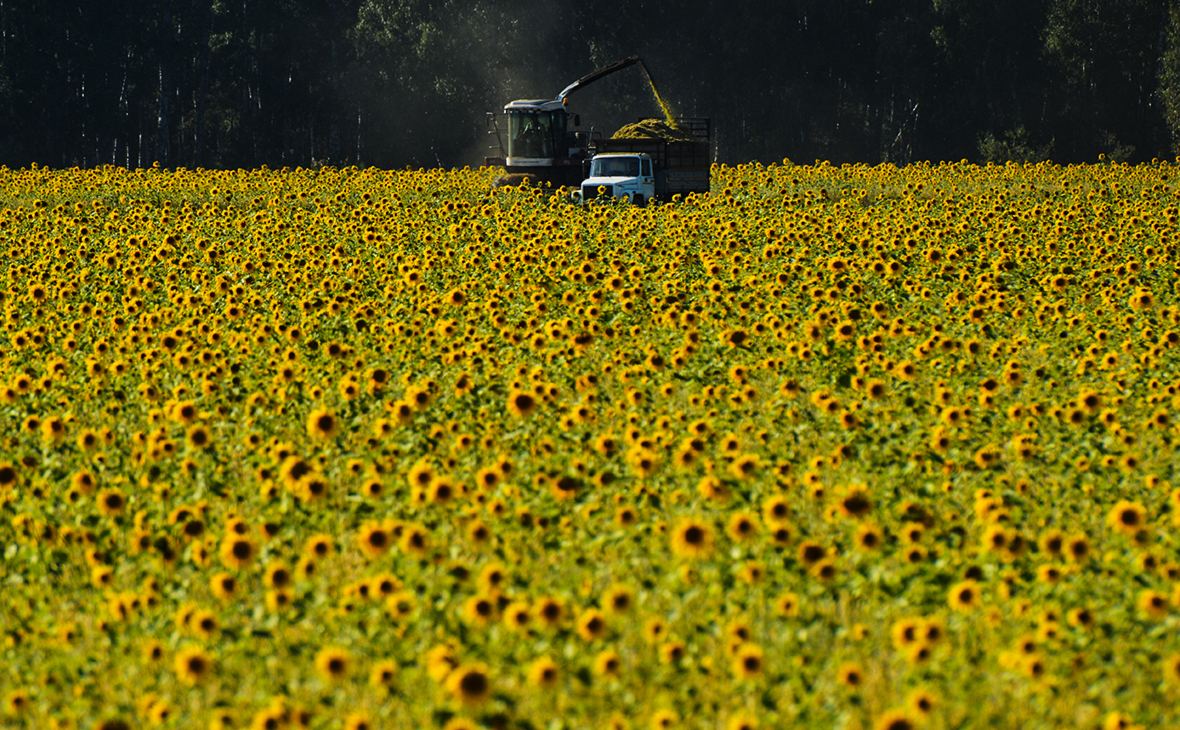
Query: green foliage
{"points": [[394, 82], [1015, 147], [1169, 85]]}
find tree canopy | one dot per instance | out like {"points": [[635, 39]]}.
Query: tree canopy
{"points": [[243, 83]]}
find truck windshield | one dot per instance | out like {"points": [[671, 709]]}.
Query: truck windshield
{"points": [[615, 167]]}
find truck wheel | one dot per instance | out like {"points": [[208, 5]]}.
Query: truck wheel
{"points": [[637, 200]]}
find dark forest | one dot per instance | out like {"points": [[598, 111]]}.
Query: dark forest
{"points": [[390, 83]]}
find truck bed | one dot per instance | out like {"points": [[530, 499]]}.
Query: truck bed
{"points": [[680, 167]]}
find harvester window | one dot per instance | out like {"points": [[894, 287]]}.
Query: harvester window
{"points": [[535, 134]]}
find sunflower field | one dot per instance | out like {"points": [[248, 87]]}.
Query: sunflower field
{"points": [[831, 447]]}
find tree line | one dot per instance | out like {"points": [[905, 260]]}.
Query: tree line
{"points": [[244, 83]]}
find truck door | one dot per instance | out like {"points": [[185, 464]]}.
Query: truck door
{"points": [[647, 181]]}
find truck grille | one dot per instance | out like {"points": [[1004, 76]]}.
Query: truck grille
{"points": [[590, 192]]}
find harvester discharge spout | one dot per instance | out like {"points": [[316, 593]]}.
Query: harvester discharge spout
{"points": [[604, 71]]}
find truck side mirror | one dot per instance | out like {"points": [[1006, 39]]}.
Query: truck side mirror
{"points": [[577, 120]]}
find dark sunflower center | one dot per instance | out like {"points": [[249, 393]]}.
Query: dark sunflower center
{"points": [[473, 683]]}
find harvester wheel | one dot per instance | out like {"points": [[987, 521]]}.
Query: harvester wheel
{"points": [[637, 200]]}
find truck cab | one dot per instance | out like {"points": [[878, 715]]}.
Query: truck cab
{"points": [[620, 175]]}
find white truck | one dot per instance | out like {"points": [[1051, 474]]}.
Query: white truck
{"points": [[620, 175], [640, 170]]}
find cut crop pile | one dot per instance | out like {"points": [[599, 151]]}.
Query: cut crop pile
{"points": [[655, 129]]}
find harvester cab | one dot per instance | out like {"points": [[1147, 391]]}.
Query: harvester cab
{"points": [[540, 144], [538, 131]]}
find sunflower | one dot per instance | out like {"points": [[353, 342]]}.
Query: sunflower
{"points": [[607, 663], [53, 429], [825, 571], [748, 661], [1153, 604], [374, 539], [400, 604], [811, 552], [322, 424], [111, 502], [1077, 548], [318, 546], [549, 611], [478, 533], [383, 673], [479, 610], [618, 600], [441, 491], [222, 719], [517, 616], [88, 440], [742, 527], [713, 489], [277, 575], [626, 516], [932, 631], [192, 665], [204, 623], [591, 624], [787, 605], [744, 466], [16, 702], [964, 596], [384, 585], [1171, 669], [358, 721], [776, 509], [333, 663], [415, 540], [734, 338], [851, 675], [869, 537], [895, 720], [856, 503], [671, 652], [1082, 618], [420, 475], [470, 684], [692, 539], [441, 660], [1127, 517], [293, 470], [742, 720], [543, 673], [521, 404], [237, 551], [185, 412], [905, 371], [644, 462], [664, 720], [198, 437]]}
